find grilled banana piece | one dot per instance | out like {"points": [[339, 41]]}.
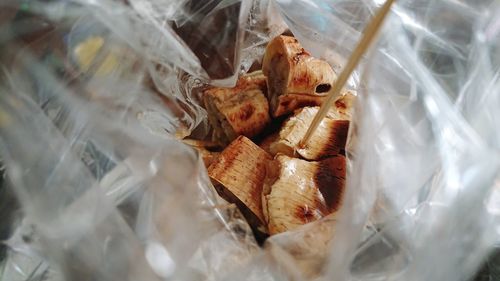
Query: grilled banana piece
{"points": [[328, 139], [294, 78], [297, 191], [242, 110], [238, 176]]}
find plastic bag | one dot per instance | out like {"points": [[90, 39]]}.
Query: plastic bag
{"points": [[94, 95]]}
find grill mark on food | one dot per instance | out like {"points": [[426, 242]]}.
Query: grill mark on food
{"points": [[305, 103], [301, 79], [338, 137], [330, 180], [340, 104], [289, 103], [246, 112], [298, 56], [306, 213], [272, 172], [256, 191], [286, 103], [227, 159]]}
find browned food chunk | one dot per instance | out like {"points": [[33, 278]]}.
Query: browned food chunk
{"points": [[242, 110], [297, 191], [294, 78], [328, 139], [238, 176]]}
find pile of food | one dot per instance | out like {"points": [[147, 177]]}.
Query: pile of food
{"points": [[254, 159]]}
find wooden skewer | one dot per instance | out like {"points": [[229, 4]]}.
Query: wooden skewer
{"points": [[363, 45]]}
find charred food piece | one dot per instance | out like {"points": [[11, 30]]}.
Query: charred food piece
{"points": [[294, 78], [297, 191], [238, 176], [328, 139], [242, 110]]}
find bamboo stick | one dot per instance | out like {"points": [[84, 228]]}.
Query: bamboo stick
{"points": [[369, 34]]}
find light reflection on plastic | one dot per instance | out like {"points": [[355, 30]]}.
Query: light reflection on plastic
{"points": [[411, 211], [407, 20], [493, 204], [312, 3], [153, 167], [493, 30], [449, 135], [431, 106], [159, 259]]}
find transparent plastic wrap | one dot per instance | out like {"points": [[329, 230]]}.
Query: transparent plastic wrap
{"points": [[95, 95]]}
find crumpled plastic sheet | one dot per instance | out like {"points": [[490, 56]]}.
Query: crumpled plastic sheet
{"points": [[105, 191]]}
